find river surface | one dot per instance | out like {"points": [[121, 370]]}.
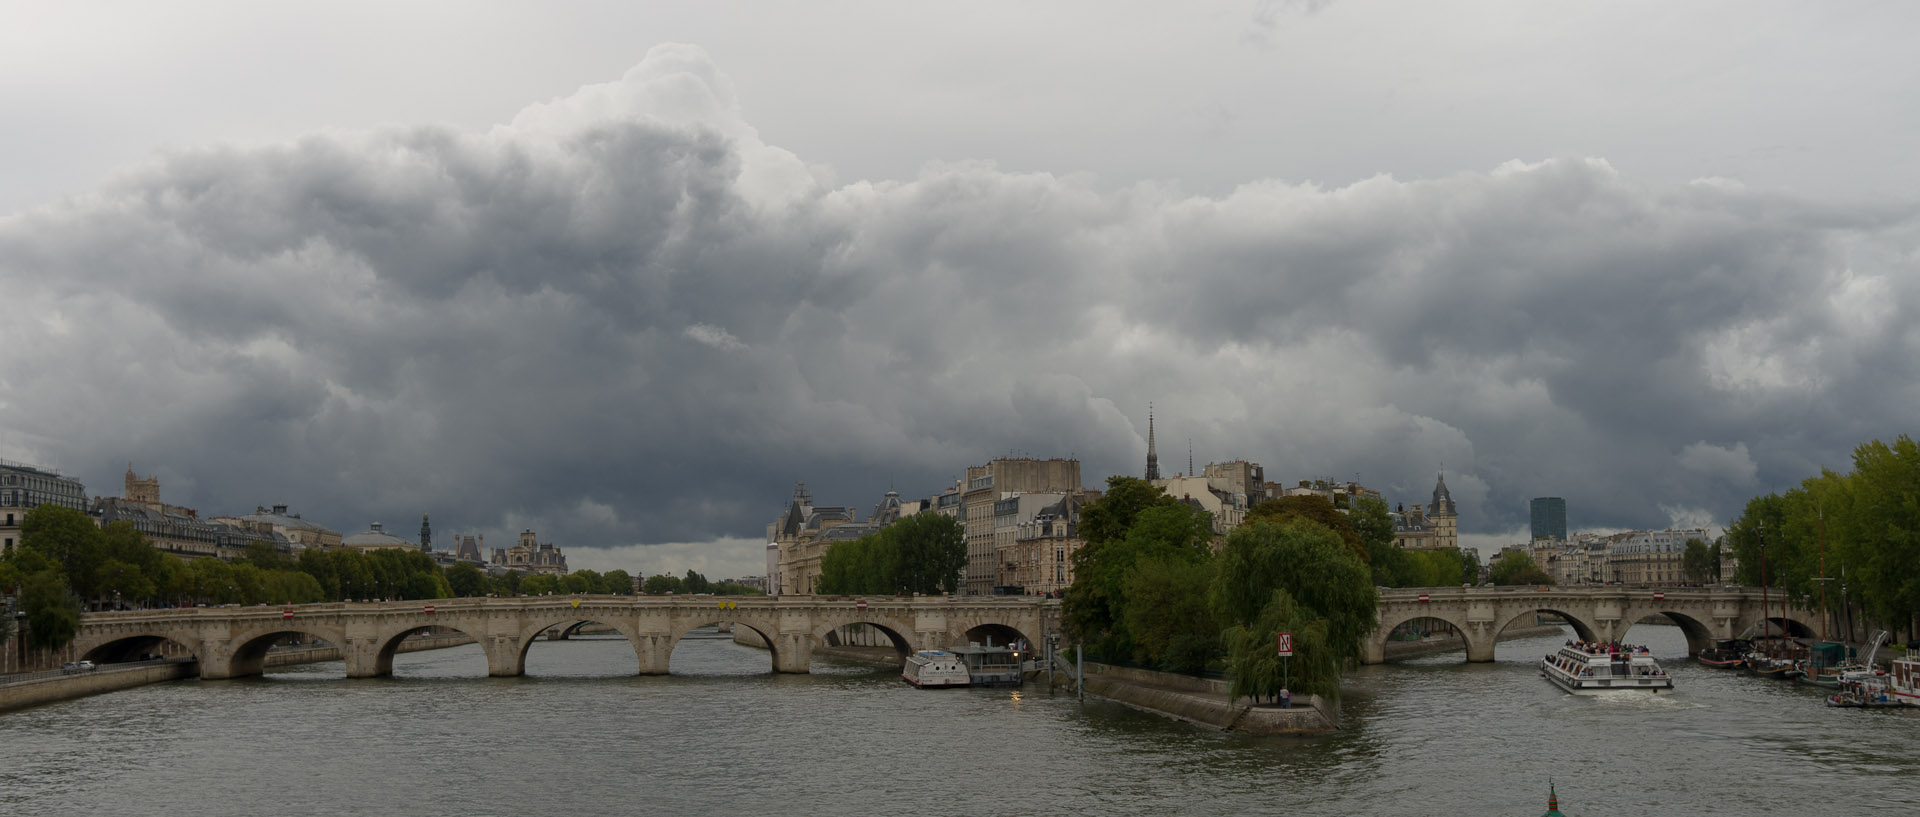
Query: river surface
{"points": [[724, 736]]}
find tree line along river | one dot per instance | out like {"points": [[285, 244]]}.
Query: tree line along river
{"points": [[724, 736]]}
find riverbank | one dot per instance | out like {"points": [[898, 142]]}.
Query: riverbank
{"points": [[49, 687], [1450, 643], [1205, 701]]}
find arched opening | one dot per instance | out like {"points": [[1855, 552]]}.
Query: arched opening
{"points": [[1793, 628], [581, 648], [431, 651], [1668, 634], [292, 653], [1529, 634], [857, 647], [142, 648], [708, 650], [999, 635], [1423, 637]]}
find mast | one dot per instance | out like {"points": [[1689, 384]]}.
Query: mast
{"points": [[1823, 574], [1766, 609]]}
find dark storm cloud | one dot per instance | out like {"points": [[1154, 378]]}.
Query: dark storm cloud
{"points": [[623, 318]]}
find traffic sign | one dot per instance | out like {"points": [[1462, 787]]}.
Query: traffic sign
{"points": [[1286, 645], [429, 608], [1659, 595], [1423, 597], [576, 604], [860, 605], [286, 613]]}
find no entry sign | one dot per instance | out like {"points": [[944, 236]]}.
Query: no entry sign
{"points": [[1286, 645], [860, 605]]}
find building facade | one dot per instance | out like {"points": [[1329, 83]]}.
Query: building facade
{"points": [[1653, 558], [299, 533], [25, 487], [1001, 479], [177, 530], [531, 556], [797, 540], [376, 538]]}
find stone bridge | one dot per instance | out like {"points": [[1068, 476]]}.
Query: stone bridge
{"points": [[1595, 613], [233, 641]]}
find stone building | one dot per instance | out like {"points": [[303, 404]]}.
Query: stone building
{"points": [[375, 538], [1002, 479], [1041, 558], [530, 556], [797, 540], [175, 529], [300, 533], [1429, 527], [469, 549], [25, 487], [1654, 558]]}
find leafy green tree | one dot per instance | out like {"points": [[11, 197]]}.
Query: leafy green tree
{"points": [[125, 582], [540, 584], [662, 583], [70, 539], [1374, 525], [466, 580], [1096, 605], [696, 583], [1516, 567], [53, 613], [1167, 612], [1313, 508], [932, 550], [1882, 531], [1697, 561], [1253, 657], [617, 582], [267, 556], [1292, 576], [120, 541], [1111, 516]]}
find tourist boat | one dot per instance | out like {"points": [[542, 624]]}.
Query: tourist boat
{"points": [[991, 665], [1903, 678], [928, 669], [1583, 668], [1726, 653]]}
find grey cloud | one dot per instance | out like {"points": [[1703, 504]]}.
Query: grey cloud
{"points": [[624, 319]]}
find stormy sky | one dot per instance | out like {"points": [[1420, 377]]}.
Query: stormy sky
{"points": [[624, 274]]}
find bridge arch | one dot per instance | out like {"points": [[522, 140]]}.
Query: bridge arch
{"points": [[1581, 627], [570, 622], [901, 637], [785, 653], [1699, 634], [248, 655], [387, 644], [1393, 617], [1791, 626], [122, 647]]}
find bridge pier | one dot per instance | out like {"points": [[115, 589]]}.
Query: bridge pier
{"points": [[655, 652], [793, 653]]}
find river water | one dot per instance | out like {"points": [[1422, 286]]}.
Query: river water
{"points": [[723, 736]]}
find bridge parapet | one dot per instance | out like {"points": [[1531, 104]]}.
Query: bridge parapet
{"points": [[232, 641]]}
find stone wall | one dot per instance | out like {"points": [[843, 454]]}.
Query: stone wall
{"points": [[23, 694], [1204, 701]]}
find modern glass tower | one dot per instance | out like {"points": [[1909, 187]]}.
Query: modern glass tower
{"points": [[1549, 517]]}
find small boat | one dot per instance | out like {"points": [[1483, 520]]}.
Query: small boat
{"points": [[929, 669], [1584, 668], [1825, 663], [1774, 657], [1865, 690], [1726, 653]]}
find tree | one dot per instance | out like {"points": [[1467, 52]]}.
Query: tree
{"points": [[1698, 562], [617, 582], [1516, 567], [660, 583], [1312, 508], [1293, 576], [1167, 612], [466, 580], [1374, 525], [1096, 605], [932, 550], [53, 613], [267, 556], [1111, 516], [696, 583], [540, 584], [70, 539]]}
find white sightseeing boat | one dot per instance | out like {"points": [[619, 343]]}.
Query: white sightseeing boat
{"points": [[935, 668], [1584, 668]]}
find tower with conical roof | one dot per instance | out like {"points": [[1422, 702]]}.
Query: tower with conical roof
{"points": [[1441, 516], [426, 535], [1153, 457]]}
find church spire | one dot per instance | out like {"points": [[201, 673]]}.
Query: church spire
{"points": [[1153, 457]]}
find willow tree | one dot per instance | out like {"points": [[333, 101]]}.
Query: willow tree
{"points": [[1292, 576]]}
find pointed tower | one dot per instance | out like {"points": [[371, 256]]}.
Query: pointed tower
{"points": [[1553, 802], [1153, 457], [426, 535], [1441, 516]]}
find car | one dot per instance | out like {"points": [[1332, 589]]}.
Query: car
{"points": [[78, 666]]}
